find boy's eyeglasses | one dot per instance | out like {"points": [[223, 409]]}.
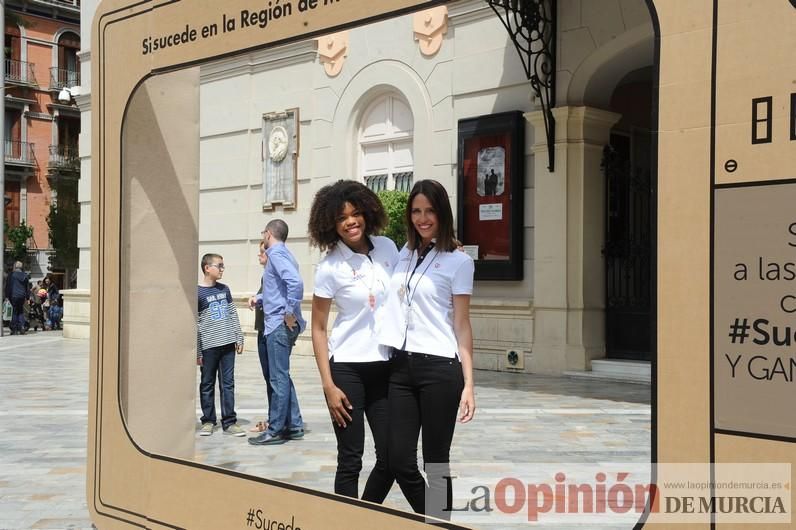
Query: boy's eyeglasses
{"points": [[219, 266]]}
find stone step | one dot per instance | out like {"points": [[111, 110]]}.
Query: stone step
{"points": [[620, 370]]}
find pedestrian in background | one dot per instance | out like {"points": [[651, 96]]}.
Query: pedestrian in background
{"points": [[284, 288], [16, 292], [262, 351], [345, 219], [219, 338]]}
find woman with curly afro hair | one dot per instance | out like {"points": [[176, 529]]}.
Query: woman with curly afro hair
{"points": [[345, 219]]}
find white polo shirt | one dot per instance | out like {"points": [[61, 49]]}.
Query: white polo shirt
{"points": [[350, 278], [429, 298]]}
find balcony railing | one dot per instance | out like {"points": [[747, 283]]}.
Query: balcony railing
{"points": [[60, 3], [20, 72], [376, 183], [64, 157], [63, 78], [19, 153], [403, 181]]}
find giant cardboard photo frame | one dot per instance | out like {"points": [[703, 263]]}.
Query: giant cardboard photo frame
{"points": [[706, 104]]}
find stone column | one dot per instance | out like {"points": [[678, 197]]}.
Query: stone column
{"points": [[569, 221]]}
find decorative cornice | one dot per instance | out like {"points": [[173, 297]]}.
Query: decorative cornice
{"points": [[83, 102], [18, 102], [39, 116], [259, 61], [50, 10], [468, 11], [64, 109]]}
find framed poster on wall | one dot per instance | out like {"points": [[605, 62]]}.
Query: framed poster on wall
{"points": [[490, 206]]}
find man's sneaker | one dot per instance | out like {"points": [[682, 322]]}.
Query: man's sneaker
{"points": [[295, 434], [267, 439], [234, 430], [207, 429]]}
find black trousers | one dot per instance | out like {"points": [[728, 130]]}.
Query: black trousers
{"points": [[424, 393], [365, 385], [17, 315]]}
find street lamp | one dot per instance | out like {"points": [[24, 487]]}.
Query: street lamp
{"points": [[67, 93]]}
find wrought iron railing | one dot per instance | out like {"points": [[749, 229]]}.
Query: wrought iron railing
{"points": [[61, 3], [63, 78], [19, 152], [64, 157], [376, 182], [21, 72], [403, 181], [532, 28]]}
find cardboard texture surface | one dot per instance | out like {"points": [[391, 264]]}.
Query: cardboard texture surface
{"points": [[683, 367], [139, 475], [133, 478], [160, 203]]}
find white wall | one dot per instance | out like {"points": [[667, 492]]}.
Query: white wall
{"points": [[476, 72]]}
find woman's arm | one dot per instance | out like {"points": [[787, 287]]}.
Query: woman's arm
{"points": [[464, 338], [336, 399]]}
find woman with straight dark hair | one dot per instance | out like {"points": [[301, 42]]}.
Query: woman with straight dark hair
{"points": [[428, 328], [344, 220]]}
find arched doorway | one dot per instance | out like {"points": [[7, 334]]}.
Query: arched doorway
{"points": [[629, 228]]}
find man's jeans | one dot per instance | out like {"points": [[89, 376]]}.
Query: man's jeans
{"points": [[283, 408], [18, 315], [219, 361], [262, 351]]}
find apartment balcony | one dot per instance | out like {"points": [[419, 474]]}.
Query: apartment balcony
{"points": [[63, 159], [63, 78], [19, 154], [71, 5], [67, 3], [20, 73]]}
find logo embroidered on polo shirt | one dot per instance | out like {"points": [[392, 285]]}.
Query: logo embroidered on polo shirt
{"points": [[437, 265]]}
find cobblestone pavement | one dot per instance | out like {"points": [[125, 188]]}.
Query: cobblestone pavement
{"points": [[521, 420]]}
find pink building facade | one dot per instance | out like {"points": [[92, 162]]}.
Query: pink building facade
{"points": [[42, 121]]}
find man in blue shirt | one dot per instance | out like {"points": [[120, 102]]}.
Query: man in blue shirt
{"points": [[283, 290]]}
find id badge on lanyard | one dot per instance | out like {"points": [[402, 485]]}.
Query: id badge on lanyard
{"points": [[410, 319]]}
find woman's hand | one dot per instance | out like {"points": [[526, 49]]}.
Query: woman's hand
{"points": [[467, 404], [338, 405]]}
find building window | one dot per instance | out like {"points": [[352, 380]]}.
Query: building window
{"points": [[386, 159], [67, 72]]}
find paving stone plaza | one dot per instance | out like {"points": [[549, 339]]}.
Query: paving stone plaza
{"points": [[522, 419]]}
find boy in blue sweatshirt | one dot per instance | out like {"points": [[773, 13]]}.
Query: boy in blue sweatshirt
{"points": [[219, 338]]}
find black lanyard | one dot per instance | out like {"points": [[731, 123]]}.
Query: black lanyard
{"points": [[420, 259]]}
